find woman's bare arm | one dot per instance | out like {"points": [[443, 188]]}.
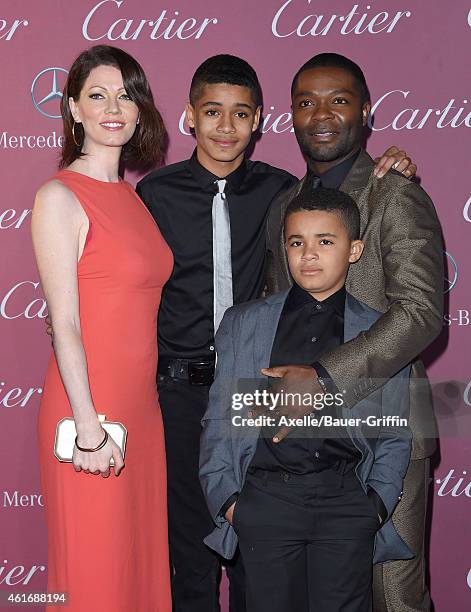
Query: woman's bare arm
{"points": [[59, 226]]}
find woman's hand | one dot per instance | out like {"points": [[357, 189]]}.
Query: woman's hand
{"points": [[97, 462]]}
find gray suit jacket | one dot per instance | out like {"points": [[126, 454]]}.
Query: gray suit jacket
{"points": [[400, 274], [244, 343]]}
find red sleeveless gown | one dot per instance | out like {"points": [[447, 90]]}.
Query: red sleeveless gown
{"points": [[107, 538]]}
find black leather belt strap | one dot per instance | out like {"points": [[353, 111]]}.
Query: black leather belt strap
{"points": [[197, 372]]}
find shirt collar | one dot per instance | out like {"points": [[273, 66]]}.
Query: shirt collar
{"points": [[336, 175], [207, 179], [299, 297]]}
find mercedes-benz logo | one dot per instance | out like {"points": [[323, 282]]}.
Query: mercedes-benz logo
{"points": [[46, 90], [451, 273]]}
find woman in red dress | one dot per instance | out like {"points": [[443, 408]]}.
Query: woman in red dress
{"points": [[102, 263]]}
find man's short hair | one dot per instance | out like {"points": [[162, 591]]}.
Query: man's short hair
{"points": [[334, 60], [227, 69], [331, 201]]}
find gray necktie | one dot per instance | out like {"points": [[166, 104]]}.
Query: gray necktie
{"points": [[222, 266]]}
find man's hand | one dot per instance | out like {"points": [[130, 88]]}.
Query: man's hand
{"points": [[48, 322], [229, 513], [293, 379], [394, 158]]}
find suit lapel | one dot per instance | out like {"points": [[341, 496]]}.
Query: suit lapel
{"points": [[356, 318], [359, 175], [267, 324]]}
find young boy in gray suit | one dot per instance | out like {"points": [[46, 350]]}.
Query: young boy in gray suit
{"points": [[311, 512]]}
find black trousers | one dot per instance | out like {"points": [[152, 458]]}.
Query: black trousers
{"points": [[196, 568], [306, 543]]}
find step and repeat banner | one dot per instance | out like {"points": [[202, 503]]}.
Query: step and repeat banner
{"points": [[416, 58]]}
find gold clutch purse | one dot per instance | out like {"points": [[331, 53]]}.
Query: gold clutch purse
{"points": [[66, 434]]}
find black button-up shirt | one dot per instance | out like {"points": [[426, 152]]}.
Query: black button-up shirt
{"points": [[180, 198], [335, 176], [331, 179], [306, 329]]}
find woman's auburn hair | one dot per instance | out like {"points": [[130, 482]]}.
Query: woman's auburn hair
{"points": [[147, 146]]}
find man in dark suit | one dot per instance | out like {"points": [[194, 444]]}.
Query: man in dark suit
{"points": [[313, 510], [400, 274]]}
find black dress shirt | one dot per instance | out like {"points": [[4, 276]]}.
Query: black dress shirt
{"points": [[306, 329], [335, 176], [332, 179], [180, 198]]}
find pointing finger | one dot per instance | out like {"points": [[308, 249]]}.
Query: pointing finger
{"points": [[274, 372], [281, 435]]}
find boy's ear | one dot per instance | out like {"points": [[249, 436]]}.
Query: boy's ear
{"points": [[256, 119], [190, 115], [356, 250]]}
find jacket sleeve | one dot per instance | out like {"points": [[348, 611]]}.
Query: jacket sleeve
{"points": [[393, 445], [412, 257], [216, 469]]}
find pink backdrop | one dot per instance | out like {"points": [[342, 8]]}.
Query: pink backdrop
{"points": [[415, 54]]}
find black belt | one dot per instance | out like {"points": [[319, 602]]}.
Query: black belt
{"points": [[195, 371]]}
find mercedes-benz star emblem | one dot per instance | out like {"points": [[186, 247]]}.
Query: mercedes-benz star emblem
{"points": [[46, 89], [451, 273]]}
